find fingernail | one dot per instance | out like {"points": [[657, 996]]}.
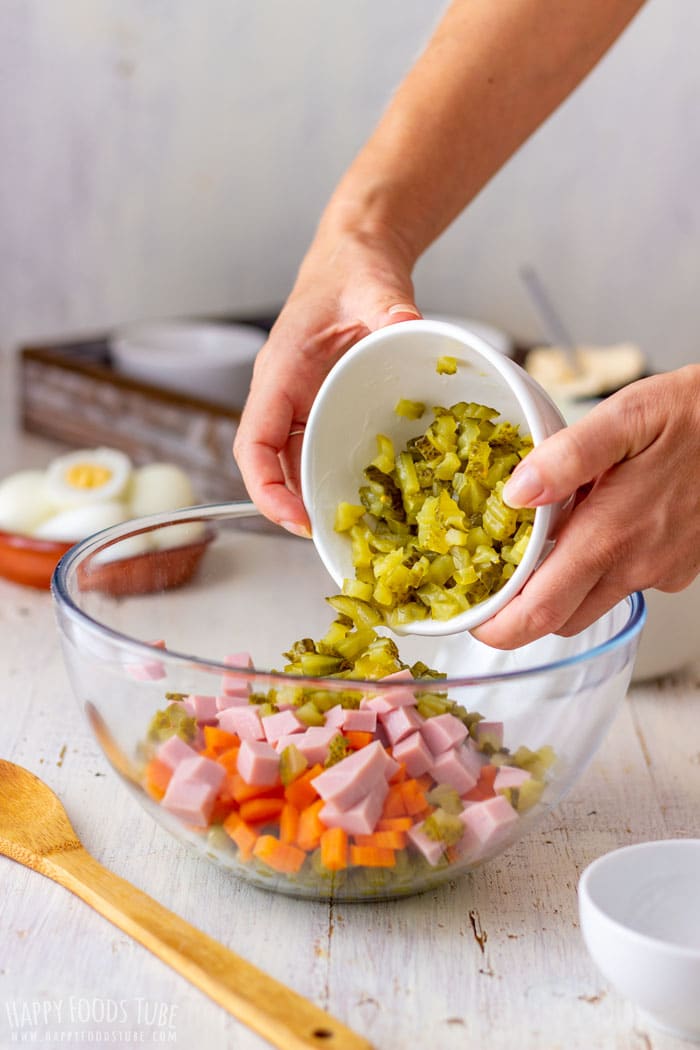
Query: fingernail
{"points": [[404, 308], [523, 487], [297, 529]]}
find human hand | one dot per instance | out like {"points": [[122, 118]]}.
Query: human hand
{"points": [[634, 462], [349, 284]]}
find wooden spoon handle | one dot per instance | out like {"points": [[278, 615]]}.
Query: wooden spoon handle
{"points": [[277, 1013]]}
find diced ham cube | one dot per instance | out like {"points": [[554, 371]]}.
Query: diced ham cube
{"points": [[415, 754], [235, 684], [400, 722], [360, 819], [148, 671], [349, 780], [489, 733], [281, 724], [449, 768], [378, 704], [471, 759], [314, 742], [336, 716], [486, 823], [510, 776], [430, 848], [173, 751], [224, 700], [203, 708], [258, 763], [193, 788], [244, 721], [443, 732], [358, 721]]}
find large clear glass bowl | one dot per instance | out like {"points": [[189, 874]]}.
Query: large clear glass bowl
{"points": [[224, 581]]}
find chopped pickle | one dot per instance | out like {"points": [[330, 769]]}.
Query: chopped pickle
{"points": [[536, 762], [309, 715], [442, 826], [436, 537], [172, 721], [409, 409], [338, 749], [446, 365], [445, 797], [292, 764]]}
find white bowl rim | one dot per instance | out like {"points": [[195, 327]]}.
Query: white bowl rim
{"points": [[245, 509], [636, 936]]}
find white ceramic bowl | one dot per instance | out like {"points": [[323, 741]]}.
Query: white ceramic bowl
{"points": [[356, 402], [210, 361], [640, 919], [495, 337]]}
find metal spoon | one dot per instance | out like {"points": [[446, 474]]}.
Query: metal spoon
{"points": [[552, 324], [35, 831]]}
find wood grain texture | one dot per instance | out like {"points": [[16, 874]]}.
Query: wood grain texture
{"points": [[494, 960]]}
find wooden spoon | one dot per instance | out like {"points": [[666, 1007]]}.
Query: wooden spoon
{"points": [[35, 830]]}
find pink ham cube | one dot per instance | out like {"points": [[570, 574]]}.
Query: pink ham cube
{"points": [[236, 684], [351, 779], [314, 742], [224, 700], [245, 721], [336, 716], [203, 708], [192, 790], [360, 819], [430, 848], [449, 768], [510, 776], [399, 722], [486, 823], [443, 732], [173, 751], [281, 724], [358, 721], [378, 704], [258, 763], [415, 754]]}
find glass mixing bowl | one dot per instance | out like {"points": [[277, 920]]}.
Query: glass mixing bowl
{"points": [[422, 789]]}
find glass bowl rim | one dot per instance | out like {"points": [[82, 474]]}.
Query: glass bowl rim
{"points": [[240, 510]]}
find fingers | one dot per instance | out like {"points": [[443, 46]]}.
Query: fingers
{"points": [[617, 429]]}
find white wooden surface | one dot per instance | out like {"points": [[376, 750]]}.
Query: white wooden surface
{"points": [[494, 960]]}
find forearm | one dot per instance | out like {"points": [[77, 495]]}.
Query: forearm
{"points": [[493, 71]]}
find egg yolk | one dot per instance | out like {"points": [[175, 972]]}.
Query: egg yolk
{"points": [[87, 476]]}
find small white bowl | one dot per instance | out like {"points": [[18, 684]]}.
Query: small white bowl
{"points": [[210, 361], [640, 918], [356, 402], [495, 337]]}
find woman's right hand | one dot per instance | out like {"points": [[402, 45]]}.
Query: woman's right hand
{"points": [[349, 284]]}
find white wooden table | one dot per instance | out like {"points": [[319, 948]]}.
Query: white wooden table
{"points": [[494, 960]]}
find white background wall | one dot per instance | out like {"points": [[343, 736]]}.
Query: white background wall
{"points": [[169, 156]]}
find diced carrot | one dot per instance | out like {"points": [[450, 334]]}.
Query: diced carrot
{"points": [[221, 809], [383, 839], [413, 796], [487, 777], [244, 836], [357, 739], [219, 740], [476, 794], [242, 791], [278, 855], [289, 824], [394, 805], [310, 826], [334, 849], [372, 857], [425, 781], [400, 774], [301, 793], [261, 810], [394, 824], [209, 752], [157, 778], [229, 759]]}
